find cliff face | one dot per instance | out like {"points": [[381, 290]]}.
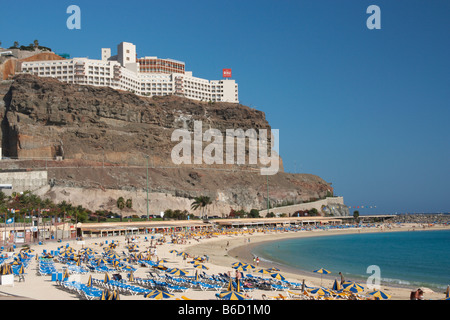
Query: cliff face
{"points": [[105, 136], [47, 118]]}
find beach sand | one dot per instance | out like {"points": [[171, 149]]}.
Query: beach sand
{"points": [[223, 250]]}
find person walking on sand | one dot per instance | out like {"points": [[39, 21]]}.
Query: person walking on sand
{"points": [[342, 277], [257, 261]]}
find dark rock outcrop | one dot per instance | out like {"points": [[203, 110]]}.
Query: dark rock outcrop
{"points": [[104, 137]]}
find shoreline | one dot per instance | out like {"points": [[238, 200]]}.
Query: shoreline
{"points": [[223, 249], [243, 252]]}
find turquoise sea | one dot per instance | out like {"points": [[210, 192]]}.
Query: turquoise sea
{"points": [[413, 259]]}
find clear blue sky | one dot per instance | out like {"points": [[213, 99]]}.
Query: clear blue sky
{"points": [[367, 110]]}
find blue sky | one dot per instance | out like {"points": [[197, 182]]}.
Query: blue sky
{"points": [[367, 110]]}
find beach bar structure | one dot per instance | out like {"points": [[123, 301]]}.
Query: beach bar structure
{"points": [[153, 227], [139, 227], [277, 222]]}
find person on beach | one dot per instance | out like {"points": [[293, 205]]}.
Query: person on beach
{"points": [[257, 261], [416, 295], [342, 277], [419, 294]]}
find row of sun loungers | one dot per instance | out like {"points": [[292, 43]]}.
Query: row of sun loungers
{"points": [[46, 268], [87, 292], [121, 286]]}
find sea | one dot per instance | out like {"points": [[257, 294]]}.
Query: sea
{"points": [[413, 259]]}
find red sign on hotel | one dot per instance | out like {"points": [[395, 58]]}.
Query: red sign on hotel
{"points": [[226, 73]]}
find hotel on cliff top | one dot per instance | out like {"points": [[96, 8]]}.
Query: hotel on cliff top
{"points": [[147, 76]]}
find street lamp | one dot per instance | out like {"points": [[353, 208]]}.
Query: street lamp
{"points": [[268, 206], [146, 156]]}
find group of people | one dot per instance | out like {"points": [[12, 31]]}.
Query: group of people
{"points": [[416, 295]]}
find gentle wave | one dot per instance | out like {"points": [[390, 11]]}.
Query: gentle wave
{"points": [[304, 254]]}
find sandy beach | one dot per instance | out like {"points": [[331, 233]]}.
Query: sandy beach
{"points": [[222, 250]]}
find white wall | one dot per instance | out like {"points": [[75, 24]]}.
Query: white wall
{"points": [[23, 181]]}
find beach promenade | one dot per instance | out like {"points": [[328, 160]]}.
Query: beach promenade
{"points": [[218, 252]]}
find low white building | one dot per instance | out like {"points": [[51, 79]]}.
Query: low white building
{"points": [[147, 76]]}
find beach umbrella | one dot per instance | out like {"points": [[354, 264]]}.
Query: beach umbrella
{"points": [[140, 256], [303, 285], [321, 291], [173, 251], [231, 295], [273, 269], [177, 272], [115, 263], [336, 286], [200, 266], [353, 287], [127, 268], [241, 268], [15, 263], [158, 294], [160, 267], [321, 271], [21, 270], [277, 276], [107, 278], [237, 264], [115, 295], [230, 284], [196, 275], [238, 285], [447, 292], [113, 255], [89, 283], [379, 295], [105, 295], [263, 271], [6, 269], [100, 261], [66, 275], [131, 277], [22, 255]]}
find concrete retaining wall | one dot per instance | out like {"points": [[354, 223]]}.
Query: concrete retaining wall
{"points": [[23, 181], [289, 210]]}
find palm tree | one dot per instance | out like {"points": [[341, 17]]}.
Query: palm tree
{"points": [[201, 202], [356, 215], [36, 43], [121, 205], [129, 203]]}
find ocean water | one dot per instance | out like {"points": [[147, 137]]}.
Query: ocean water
{"points": [[412, 259]]}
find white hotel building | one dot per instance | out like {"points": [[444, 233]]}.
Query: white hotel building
{"points": [[147, 76]]}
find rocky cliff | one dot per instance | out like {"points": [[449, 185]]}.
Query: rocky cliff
{"points": [[106, 139]]}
